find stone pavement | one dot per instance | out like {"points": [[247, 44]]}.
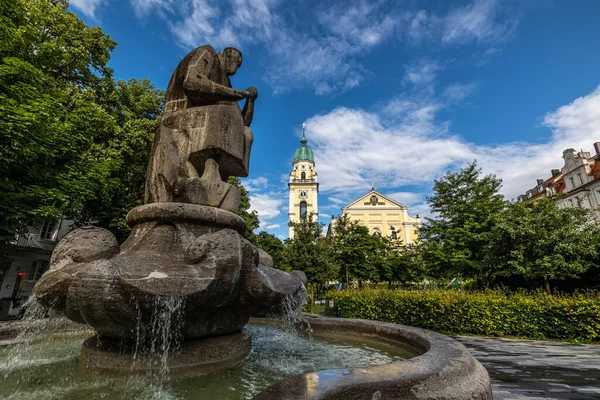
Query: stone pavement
{"points": [[528, 369]]}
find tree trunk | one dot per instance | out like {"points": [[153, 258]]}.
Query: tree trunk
{"points": [[547, 285]]}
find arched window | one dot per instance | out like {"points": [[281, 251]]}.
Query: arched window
{"points": [[303, 209], [376, 232], [303, 175], [394, 235]]}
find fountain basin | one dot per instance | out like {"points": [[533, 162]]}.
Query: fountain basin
{"points": [[50, 367], [441, 369]]}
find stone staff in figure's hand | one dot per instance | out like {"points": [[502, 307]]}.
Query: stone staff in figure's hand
{"points": [[248, 111]]}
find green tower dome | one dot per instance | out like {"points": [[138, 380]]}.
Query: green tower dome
{"points": [[303, 153]]}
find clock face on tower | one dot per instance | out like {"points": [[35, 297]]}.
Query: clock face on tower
{"points": [[303, 194]]}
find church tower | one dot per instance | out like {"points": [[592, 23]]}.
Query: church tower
{"points": [[303, 184]]}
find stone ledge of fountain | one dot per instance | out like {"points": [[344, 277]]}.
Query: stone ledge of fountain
{"points": [[194, 357], [442, 367]]}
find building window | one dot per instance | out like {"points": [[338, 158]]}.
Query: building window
{"points": [[528, 195], [394, 235], [540, 189], [376, 232], [48, 229], [571, 202], [303, 209], [303, 175], [37, 270], [572, 182], [580, 178]]}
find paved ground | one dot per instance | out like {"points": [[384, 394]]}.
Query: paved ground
{"points": [[526, 369]]}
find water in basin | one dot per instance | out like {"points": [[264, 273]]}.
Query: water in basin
{"points": [[48, 369]]}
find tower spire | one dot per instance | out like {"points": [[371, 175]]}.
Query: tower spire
{"points": [[303, 140]]}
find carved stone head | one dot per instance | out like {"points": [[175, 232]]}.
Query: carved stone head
{"points": [[231, 60]]}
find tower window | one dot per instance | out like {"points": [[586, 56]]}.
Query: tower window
{"points": [[303, 175], [303, 209]]}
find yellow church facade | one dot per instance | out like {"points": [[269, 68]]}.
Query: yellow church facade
{"points": [[383, 216]]}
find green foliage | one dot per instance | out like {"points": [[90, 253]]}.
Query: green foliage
{"points": [[453, 244], [52, 73], [527, 315], [359, 254], [272, 245], [310, 252], [403, 263], [249, 217], [537, 240], [123, 156]]}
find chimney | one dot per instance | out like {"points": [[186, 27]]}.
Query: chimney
{"points": [[555, 172], [540, 181], [597, 148]]}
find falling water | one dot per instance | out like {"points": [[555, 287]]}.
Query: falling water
{"points": [[161, 333], [292, 315], [32, 327]]}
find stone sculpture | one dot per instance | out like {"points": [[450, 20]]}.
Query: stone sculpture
{"points": [[185, 258]]}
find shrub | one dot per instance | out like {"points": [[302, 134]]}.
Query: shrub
{"points": [[534, 315]]}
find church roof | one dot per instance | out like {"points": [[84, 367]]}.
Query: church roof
{"points": [[304, 153], [365, 201]]}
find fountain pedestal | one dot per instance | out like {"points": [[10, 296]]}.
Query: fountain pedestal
{"points": [[185, 282], [194, 356]]}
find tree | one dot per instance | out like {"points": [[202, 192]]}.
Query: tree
{"points": [[136, 107], [359, 255], [52, 73], [272, 245], [404, 263], [466, 203], [310, 252], [538, 240]]}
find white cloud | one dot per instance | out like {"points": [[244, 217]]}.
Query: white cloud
{"points": [[318, 53], [422, 72], [87, 7], [266, 205], [458, 91], [406, 198], [482, 21], [272, 226], [354, 147], [323, 51]]}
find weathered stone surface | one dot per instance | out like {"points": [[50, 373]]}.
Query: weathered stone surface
{"points": [[204, 137], [175, 251], [198, 356], [442, 369]]}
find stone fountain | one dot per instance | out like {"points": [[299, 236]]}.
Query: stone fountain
{"points": [[185, 276], [177, 294]]}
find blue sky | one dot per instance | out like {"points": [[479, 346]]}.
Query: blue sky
{"points": [[394, 93]]}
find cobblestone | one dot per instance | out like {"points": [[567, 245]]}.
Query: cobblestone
{"points": [[538, 370]]}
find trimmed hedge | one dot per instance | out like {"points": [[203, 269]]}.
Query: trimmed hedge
{"points": [[526, 315]]}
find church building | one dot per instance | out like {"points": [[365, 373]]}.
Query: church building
{"points": [[303, 185], [383, 216]]}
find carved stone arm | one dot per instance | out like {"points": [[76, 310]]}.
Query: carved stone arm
{"points": [[197, 87]]}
